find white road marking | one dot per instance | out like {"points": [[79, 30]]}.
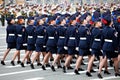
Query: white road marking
{"points": [[34, 70], [19, 72], [37, 78], [107, 78]]}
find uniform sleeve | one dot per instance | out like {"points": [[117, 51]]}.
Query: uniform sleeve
{"points": [[115, 39], [66, 37], [92, 38], [46, 36], [77, 38], [102, 38], [7, 34]]}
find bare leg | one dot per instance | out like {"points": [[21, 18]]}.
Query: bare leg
{"points": [[67, 61], [106, 65], [102, 64], [19, 56], [26, 56], [35, 57], [116, 65], [46, 58], [5, 54], [78, 62], [90, 63], [56, 59], [119, 60], [15, 55]]}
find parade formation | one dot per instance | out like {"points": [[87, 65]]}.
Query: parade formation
{"points": [[66, 31]]}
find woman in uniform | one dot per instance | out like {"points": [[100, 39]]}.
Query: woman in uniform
{"points": [[83, 34], [96, 45], [109, 36], [117, 26], [10, 38], [21, 38], [30, 32], [61, 31], [70, 41], [40, 41], [51, 40]]}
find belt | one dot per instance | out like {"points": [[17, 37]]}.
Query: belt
{"points": [[83, 38], [11, 34], [19, 35], [108, 40], [25, 44], [40, 36], [30, 36], [97, 39], [51, 37], [73, 38], [61, 37], [44, 46]]}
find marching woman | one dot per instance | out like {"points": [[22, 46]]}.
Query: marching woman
{"points": [[96, 45], [51, 40], [10, 38], [70, 41], [21, 38], [30, 32], [83, 33], [61, 31], [40, 42], [109, 35], [117, 26]]}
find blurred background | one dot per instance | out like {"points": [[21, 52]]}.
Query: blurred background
{"points": [[7, 2]]}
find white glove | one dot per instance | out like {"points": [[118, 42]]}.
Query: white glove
{"points": [[65, 47], [77, 48]]}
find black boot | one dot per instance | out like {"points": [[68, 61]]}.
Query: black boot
{"points": [[94, 65], [18, 62], [48, 65], [12, 62], [72, 62], [88, 74], [111, 63], [52, 59], [22, 64], [82, 63], [59, 66], [106, 72], [28, 62], [76, 72], [53, 69], [32, 66], [39, 64], [99, 76], [69, 68], [80, 69], [64, 69], [92, 71], [62, 61], [2, 62], [43, 67], [117, 74]]}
